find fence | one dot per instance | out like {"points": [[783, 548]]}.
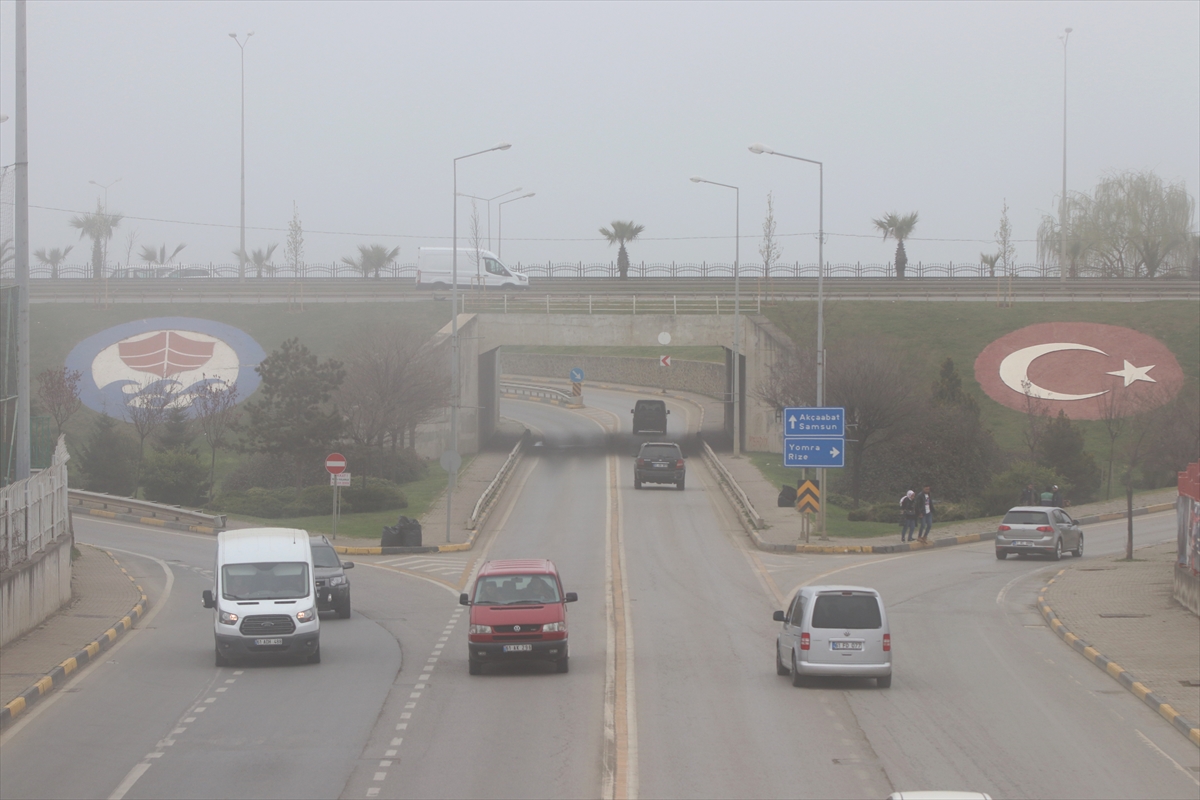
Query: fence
{"points": [[574, 269], [34, 512]]}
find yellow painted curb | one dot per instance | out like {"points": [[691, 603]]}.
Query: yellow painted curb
{"points": [[15, 707]]}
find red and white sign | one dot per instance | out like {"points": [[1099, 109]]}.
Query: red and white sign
{"points": [[1078, 367], [664, 361], [335, 463]]}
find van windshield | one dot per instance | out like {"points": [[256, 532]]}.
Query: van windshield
{"points": [[269, 580], [509, 590], [848, 611]]}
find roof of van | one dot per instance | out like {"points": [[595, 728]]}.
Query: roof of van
{"points": [[252, 545], [449, 250], [521, 566], [838, 588]]}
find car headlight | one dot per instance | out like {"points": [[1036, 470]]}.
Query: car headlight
{"points": [[554, 627], [308, 615], [228, 618], [337, 580], [481, 629]]}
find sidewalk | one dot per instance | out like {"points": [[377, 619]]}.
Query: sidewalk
{"points": [[102, 594], [1125, 611]]}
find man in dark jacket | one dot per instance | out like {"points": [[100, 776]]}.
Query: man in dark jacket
{"points": [[1029, 497], [925, 512], [908, 516]]}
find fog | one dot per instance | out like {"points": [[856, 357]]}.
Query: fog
{"points": [[355, 111]]}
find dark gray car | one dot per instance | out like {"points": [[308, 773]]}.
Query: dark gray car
{"points": [[1038, 529], [333, 587], [659, 462]]}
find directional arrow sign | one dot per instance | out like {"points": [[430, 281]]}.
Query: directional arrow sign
{"points": [[664, 361], [805, 451], [577, 375], [827, 422]]}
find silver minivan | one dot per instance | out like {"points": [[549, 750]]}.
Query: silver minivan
{"points": [[1044, 530], [837, 631]]}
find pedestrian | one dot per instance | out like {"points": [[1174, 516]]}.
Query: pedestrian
{"points": [[1029, 497], [1056, 499], [925, 512], [908, 516], [1047, 497]]}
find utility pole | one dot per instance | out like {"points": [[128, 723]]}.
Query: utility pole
{"points": [[21, 244], [1062, 213]]}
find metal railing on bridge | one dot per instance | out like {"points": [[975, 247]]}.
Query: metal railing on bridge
{"points": [[34, 512]]}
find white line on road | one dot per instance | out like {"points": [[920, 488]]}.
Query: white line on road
{"points": [[1160, 751], [130, 779]]}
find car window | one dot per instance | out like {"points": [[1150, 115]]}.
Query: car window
{"points": [[797, 616], [1025, 518], [851, 611], [660, 451], [649, 406], [325, 556], [494, 267]]}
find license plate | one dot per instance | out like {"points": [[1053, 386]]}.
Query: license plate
{"points": [[268, 641], [1022, 544], [660, 466], [518, 648], [847, 645]]}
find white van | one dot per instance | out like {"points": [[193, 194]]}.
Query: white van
{"points": [[435, 269], [264, 595], [835, 630]]}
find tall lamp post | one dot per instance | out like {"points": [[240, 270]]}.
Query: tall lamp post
{"points": [[454, 460], [760, 149], [242, 241], [21, 462], [737, 314], [105, 187], [1062, 213], [489, 200], [500, 220]]}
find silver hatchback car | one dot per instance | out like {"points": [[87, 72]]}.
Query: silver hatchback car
{"points": [[1038, 529], [837, 631]]}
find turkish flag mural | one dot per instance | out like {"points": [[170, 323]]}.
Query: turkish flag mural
{"points": [[1078, 367]]}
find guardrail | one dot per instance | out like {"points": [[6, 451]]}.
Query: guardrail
{"points": [[542, 394], [736, 493], [33, 511], [143, 510], [489, 494]]}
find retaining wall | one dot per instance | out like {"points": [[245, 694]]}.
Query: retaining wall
{"points": [[701, 377], [35, 589]]}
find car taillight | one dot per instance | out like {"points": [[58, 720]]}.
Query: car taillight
{"points": [[679, 463], [887, 642], [641, 462], [804, 641], [1005, 528], [1045, 529]]}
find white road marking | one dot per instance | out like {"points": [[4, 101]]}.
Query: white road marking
{"points": [[1160, 751], [406, 715], [389, 752], [373, 791], [124, 786], [396, 742], [385, 763], [1004, 592], [380, 776]]}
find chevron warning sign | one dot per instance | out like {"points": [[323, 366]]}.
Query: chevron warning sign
{"points": [[808, 496]]}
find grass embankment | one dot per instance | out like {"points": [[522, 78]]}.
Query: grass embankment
{"points": [[772, 468]]}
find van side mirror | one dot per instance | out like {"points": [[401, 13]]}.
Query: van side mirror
{"points": [[207, 599], [571, 597], [778, 616], [668, 411], [347, 565], [463, 600], [631, 411]]}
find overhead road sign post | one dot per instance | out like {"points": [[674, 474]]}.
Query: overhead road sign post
{"points": [[807, 451], [827, 423]]}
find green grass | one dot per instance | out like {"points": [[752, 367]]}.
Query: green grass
{"points": [[420, 494], [710, 354]]}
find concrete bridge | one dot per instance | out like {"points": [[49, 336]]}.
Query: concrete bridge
{"points": [[482, 335]]}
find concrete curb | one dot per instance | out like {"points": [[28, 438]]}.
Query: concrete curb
{"points": [[1119, 673], [158, 523], [58, 676], [1137, 512]]}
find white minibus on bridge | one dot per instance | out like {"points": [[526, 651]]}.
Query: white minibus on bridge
{"points": [[476, 268]]}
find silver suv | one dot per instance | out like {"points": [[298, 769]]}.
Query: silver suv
{"points": [[1038, 529], [835, 630]]}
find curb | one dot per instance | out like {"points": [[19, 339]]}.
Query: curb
{"points": [[1137, 512], [1119, 673], [58, 676], [158, 523], [907, 547]]}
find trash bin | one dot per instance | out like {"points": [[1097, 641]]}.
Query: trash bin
{"points": [[390, 536], [410, 532]]}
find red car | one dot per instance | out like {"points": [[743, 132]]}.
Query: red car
{"points": [[518, 612]]}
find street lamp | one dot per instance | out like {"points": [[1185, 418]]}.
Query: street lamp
{"points": [[105, 186], [489, 200], [737, 314], [242, 246], [500, 220], [453, 473], [1062, 213], [760, 149]]}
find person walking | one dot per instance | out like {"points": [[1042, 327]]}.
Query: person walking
{"points": [[908, 516], [1029, 497], [1056, 499], [1047, 497], [925, 512]]}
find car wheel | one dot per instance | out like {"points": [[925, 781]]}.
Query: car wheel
{"points": [[637, 483], [1000, 554], [797, 678], [563, 664], [1057, 550], [474, 667], [222, 661], [679, 485], [885, 682], [315, 658], [780, 669], [343, 608], [1078, 551]]}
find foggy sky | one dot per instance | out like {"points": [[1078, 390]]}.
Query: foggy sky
{"points": [[355, 111]]}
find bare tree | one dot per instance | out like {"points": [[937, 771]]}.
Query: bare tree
{"points": [[215, 405], [769, 248], [1004, 240], [295, 242], [147, 410], [1113, 411], [1037, 417], [475, 241], [58, 390]]}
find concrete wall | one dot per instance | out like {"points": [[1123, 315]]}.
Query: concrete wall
{"points": [[1187, 589], [701, 377], [35, 589]]}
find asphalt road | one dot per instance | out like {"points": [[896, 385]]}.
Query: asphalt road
{"points": [[671, 692]]}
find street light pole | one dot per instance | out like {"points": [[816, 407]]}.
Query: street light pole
{"points": [[489, 200], [737, 316], [500, 220], [21, 462], [242, 241], [1062, 213], [106, 238], [759, 149], [454, 399]]}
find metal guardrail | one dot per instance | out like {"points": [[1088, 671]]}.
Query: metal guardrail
{"points": [[79, 499], [497, 483], [540, 393], [739, 496]]}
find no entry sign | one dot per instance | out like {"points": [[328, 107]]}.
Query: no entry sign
{"points": [[335, 463]]}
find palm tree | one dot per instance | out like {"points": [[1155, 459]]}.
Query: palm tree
{"points": [[99, 228], [53, 258], [990, 261], [621, 233], [159, 257], [260, 259], [372, 258], [899, 228]]}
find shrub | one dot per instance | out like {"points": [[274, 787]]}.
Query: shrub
{"points": [[176, 477], [254, 502], [377, 495], [109, 459], [1004, 491]]}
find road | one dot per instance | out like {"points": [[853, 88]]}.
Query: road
{"points": [[671, 692]]}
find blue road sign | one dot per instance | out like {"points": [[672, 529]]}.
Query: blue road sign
{"points": [[805, 451], [576, 375], [827, 422]]}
